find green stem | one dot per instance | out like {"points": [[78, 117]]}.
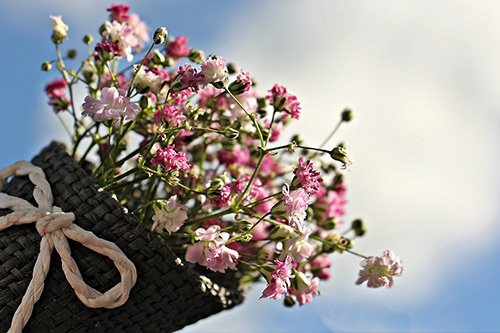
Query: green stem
{"points": [[254, 174], [130, 87], [332, 133], [252, 117]]}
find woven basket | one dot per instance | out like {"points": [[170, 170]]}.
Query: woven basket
{"points": [[168, 294]]}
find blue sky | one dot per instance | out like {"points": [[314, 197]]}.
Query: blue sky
{"points": [[424, 80]]}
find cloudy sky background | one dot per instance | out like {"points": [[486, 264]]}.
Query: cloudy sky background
{"points": [[423, 78]]}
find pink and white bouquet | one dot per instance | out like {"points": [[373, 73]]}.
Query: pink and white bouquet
{"points": [[188, 144]]}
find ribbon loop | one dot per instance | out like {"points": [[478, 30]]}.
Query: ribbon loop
{"points": [[54, 226]]}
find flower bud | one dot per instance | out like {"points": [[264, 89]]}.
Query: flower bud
{"points": [[157, 57], [160, 35], [340, 154], [347, 115], [228, 145], [281, 233], [330, 223], [331, 238], [87, 39], [279, 210], [71, 54], [262, 104], [89, 76], [221, 84], [144, 102], [358, 226], [196, 56], [245, 225], [290, 301], [46, 66], [225, 121], [231, 133], [232, 68], [346, 242], [247, 238]]}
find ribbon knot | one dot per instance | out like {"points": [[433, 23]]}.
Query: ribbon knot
{"points": [[54, 221], [55, 226]]}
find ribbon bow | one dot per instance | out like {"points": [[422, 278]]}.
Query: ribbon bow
{"points": [[55, 226]]}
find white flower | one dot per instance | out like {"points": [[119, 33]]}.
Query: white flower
{"points": [[123, 35], [169, 215]]}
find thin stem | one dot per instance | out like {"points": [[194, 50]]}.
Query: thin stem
{"points": [[256, 170], [252, 117], [130, 87], [315, 149], [332, 133]]}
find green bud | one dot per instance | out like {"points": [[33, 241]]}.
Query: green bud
{"points": [[221, 84], [225, 121], [340, 154], [102, 28], [331, 238], [359, 227], [346, 242], [231, 133], [87, 39], [144, 102], [281, 233], [290, 301], [158, 57], [330, 223], [232, 68], [46, 66], [160, 35], [217, 183], [71, 54], [262, 105], [89, 76], [228, 145], [196, 56], [245, 225], [347, 115], [298, 139]]}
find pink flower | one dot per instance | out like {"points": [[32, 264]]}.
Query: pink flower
{"points": [[56, 88], [320, 266], [224, 196], [308, 177], [379, 271], [119, 13], [304, 287], [111, 105], [298, 247], [279, 280], [236, 156], [106, 50], [123, 35], [141, 30], [121, 81], [214, 70], [169, 215], [296, 203], [332, 203], [169, 159], [190, 78], [211, 250], [178, 48], [150, 79], [283, 101], [170, 114]]}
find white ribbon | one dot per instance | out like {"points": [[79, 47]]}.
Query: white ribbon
{"points": [[55, 226]]}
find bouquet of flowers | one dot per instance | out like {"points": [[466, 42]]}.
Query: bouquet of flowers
{"points": [[188, 144]]}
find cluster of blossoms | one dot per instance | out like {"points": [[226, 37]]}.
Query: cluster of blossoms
{"points": [[189, 145]]}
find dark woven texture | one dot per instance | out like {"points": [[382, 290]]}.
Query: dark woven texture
{"points": [[167, 296]]}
